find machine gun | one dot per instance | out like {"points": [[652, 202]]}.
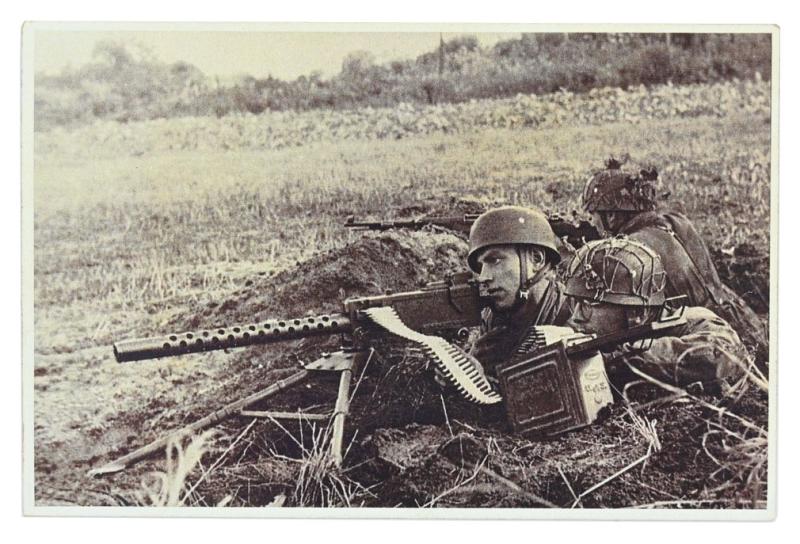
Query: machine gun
{"points": [[576, 231], [453, 304], [541, 392]]}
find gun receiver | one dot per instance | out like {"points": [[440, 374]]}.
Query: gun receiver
{"points": [[577, 231]]}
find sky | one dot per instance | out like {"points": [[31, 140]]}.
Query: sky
{"points": [[230, 53]]}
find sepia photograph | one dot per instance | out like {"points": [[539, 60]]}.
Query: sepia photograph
{"points": [[399, 270]]}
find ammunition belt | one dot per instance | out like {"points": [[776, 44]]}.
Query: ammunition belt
{"points": [[534, 339], [457, 365], [539, 336]]}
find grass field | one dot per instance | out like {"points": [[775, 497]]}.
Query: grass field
{"points": [[126, 245]]}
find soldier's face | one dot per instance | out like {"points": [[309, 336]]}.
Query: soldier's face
{"points": [[596, 317], [609, 223], [500, 274], [599, 224]]}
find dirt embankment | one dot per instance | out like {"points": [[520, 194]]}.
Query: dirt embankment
{"points": [[395, 260], [746, 270]]}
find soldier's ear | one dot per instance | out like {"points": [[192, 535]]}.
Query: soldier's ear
{"points": [[638, 316], [536, 257]]}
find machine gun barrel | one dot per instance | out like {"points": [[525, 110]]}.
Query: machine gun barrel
{"points": [[453, 303], [450, 304], [267, 332]]}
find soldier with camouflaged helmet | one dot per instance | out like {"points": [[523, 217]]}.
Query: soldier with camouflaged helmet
{"points": [[514, 252], [624, 202], [617, 283]]}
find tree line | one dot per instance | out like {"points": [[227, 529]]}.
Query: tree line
{"points": [[126, 83]]}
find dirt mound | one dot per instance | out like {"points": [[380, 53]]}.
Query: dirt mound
{"points": [[745, 268], [377, 262], [460, 464]]}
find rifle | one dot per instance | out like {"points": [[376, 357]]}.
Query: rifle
{"points": [[576, 231], [451, 305]]}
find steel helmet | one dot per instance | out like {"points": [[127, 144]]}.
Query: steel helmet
{"points": [[617, 270], [614, 189], [512, 225]]}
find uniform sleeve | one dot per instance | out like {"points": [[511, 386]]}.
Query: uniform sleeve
{"points": [[707, 351], [492, 347]]}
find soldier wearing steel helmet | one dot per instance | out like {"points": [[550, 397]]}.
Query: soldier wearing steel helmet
{"points": [[514, 252], [624, 202], [617, 283]]}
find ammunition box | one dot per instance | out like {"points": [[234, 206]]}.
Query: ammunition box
{"points": [[547, 393]]}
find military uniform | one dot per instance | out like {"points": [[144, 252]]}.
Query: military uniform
{"points": [[672, 236], [706, 350], [502, 333], [691, 272]]}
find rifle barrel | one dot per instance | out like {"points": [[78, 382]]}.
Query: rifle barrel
{"points": [[656, 329], [576, 231]]}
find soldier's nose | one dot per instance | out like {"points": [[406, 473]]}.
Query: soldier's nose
{"points": [[575, 321], [571, 323]]}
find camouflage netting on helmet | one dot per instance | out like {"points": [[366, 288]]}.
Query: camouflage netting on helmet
{"points": [[615, 189], [618, 271]]}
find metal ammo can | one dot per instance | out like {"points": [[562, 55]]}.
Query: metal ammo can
{"points": [[547, 392]]}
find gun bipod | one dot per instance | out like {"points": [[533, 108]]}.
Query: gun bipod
{"points": [[344, 361]]}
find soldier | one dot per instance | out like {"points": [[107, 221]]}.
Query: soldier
{"points": [[625, 203], [618, 283], [514, 251]]}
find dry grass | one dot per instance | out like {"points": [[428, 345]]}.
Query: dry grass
{"points": [[170, 487], [319, 481], [738, 445], [167, 234]]}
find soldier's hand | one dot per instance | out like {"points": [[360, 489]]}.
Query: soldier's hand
{"points": [[487, 346]]}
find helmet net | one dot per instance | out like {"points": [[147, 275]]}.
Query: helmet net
{"points": [[617, 270], [613, 189]]}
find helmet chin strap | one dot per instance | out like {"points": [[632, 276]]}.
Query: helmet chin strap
{"points": [[526, 283]]}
